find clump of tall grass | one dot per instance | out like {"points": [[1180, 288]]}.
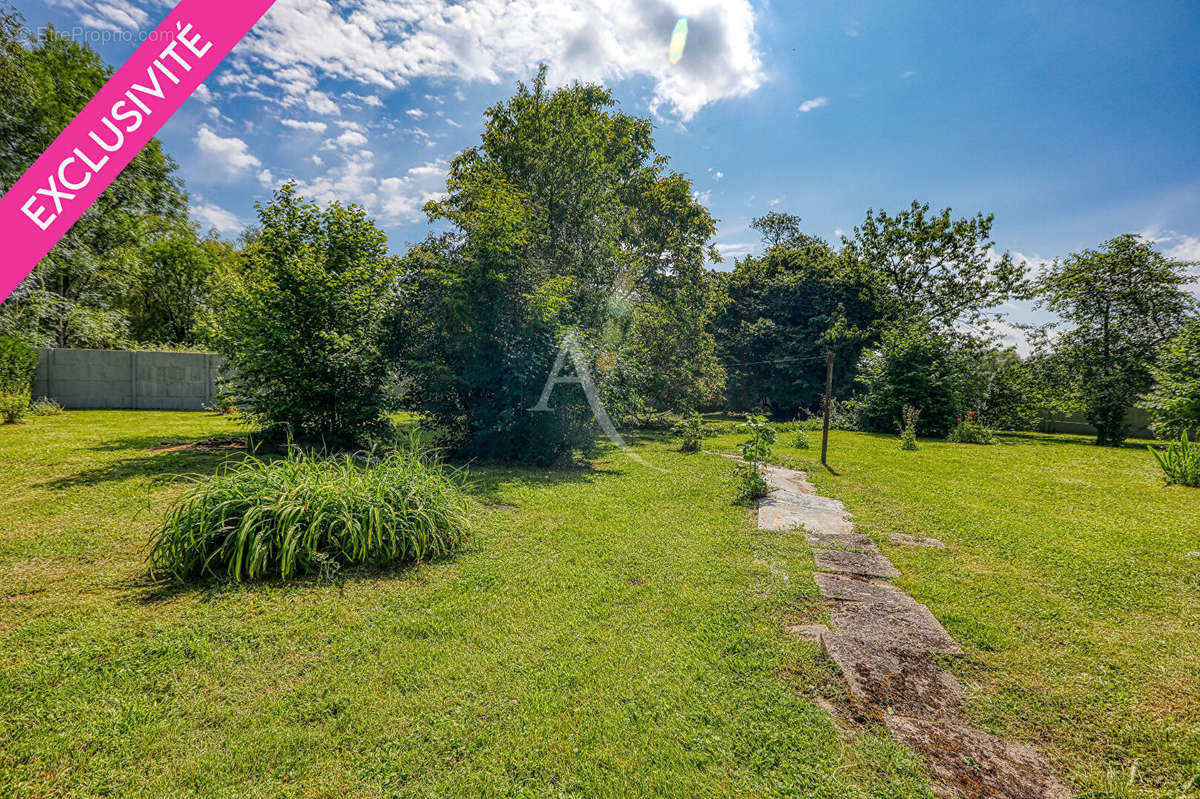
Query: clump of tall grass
{"points": [[304, 513], [1180, 462]]}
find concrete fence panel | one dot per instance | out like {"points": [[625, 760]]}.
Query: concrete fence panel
{"points": [[175, 381]]}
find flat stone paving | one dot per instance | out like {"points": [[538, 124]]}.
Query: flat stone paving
{"points": [[885, 643]]}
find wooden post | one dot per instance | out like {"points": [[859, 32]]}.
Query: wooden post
{"points": [[828, 403]]}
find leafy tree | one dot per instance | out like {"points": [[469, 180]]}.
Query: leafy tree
{"points": [[169, 289], [778, 315], [302, 323], [75, 296], [918, 366], [1174, 401], [778, 229], [931, 267], [1120, 304], [563, 218]]}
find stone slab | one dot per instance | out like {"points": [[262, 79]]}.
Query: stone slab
{"points": [[885, 679], [916, 541], [867, 564], [972, 764], [774, 515], [882, 614]]}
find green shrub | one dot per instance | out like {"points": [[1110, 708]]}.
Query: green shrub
{"points": [[18, 362], [915, 366], [13, 405], [1174, 401], [801, 441], [305, 513], [908, 428], [302, 324], [971, 431], [1180, 462], [691, 430]]}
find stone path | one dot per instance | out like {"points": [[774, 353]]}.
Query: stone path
{"points": [[886, 643]]}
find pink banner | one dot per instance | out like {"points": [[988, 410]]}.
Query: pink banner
{"points": [[115, 126]]}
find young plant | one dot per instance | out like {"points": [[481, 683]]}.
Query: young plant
{"points": [[691, 430], [1180, 462], [801, 441], [971, 431], [303, 513], [908, 427], [756, 449], [13, 405]]}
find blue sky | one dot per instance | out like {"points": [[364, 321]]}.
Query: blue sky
{"points": [[1072, 122]]}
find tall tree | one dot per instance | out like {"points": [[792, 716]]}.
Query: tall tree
{"points": [[302, 323], [1174, 400], [1120, 304], [778, 229], [932, 268], [778, 315], [75, 296], [563, 218]]}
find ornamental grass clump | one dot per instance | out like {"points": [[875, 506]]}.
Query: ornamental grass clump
{"points": [[304, 514], [1180, 462]]}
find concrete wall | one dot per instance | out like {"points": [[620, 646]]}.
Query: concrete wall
{"points": [[175, 381], [1137, 419]]}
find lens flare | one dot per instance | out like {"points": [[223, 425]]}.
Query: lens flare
{"points": [[678, 40]]}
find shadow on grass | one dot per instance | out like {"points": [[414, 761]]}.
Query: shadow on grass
{"points": [[145, 589], [1071, 438], [158, 467]]}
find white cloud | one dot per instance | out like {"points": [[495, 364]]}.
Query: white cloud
{"points": [[1178, 246], [388, 44], [735, 249], [203, 94], [231, 154], [348, 140], [813, 104], [453, 124], [217, 217], [774, 202], [305, 124], [398, 198], [416, 113], [718, 175], [266, 178], [320, 103], [366, 99], [316, 159]]}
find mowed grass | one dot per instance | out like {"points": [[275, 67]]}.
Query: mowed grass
{"points": [[1071, 579], [613, 632]]}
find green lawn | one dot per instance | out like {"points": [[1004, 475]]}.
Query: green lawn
{"points": [[614, 632], [1067, 580]]}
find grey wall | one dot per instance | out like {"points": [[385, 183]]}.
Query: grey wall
{"points": [[176, 381], [1137, 419]]}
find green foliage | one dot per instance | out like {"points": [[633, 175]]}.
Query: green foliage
{"points": [[13, 405], [173, 277], [801, 440], [563, 218], [1121, 304], [971, 431], [305, 514], [77, 295], [916, 366], [930, 267], [691, 430], [1180, 462], [1174, 400], [18, 363], [908, 428], [777, 317], [748, 479], [303, 323]]}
